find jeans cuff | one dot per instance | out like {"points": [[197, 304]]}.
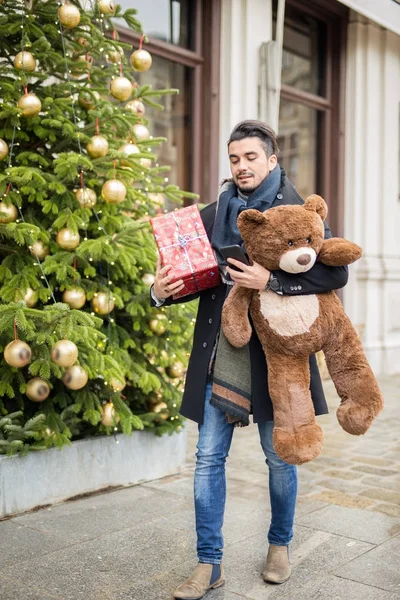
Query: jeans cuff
{"points": [[210, 561], [277, 543]]}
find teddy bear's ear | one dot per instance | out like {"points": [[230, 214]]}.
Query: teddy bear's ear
{"points": [[317, 204], [251, 217]]}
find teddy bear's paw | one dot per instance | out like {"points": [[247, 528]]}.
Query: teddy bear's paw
{"points": [[356, 418], [300, 446]]}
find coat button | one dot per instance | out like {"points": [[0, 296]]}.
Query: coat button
{"points": [[205, 344], [299, 288], [214, 296], [279, 196], [291, 288], [210, 321]]}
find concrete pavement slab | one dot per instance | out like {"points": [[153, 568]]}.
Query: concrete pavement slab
{"points": [[372, 527], [379, 567], [103, 565], [96, 515], [181, 484], [335, 588], [13, 590], [20, 543]]}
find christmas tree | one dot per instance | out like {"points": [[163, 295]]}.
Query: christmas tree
{"points": [[83, 351]]}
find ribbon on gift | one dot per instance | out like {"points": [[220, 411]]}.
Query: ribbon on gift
{"points": [[184, 240]]}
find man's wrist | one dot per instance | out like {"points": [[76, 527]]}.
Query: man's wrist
{"points": [[158, 301], [273, 284], [267, 285]]}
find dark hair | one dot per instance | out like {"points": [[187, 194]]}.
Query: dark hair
{"points": [[255, 128]]}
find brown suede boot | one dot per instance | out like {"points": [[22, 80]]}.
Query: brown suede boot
{"points": [[199, 583], [277, 568]]}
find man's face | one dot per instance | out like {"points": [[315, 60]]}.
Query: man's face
{"points": [[249, 163]]}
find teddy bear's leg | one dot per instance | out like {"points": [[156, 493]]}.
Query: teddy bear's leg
{"points": [[235, 316], [361, 399], [297, 437]]}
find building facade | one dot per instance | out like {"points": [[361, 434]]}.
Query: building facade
{"points": [[326, 74]]}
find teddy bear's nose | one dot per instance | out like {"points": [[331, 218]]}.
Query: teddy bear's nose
{"points": [[303, 259]]}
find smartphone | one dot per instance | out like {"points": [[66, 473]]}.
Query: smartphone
{"points": [[235, 252]]}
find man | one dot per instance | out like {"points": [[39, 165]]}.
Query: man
{"points": [[257, 182]]}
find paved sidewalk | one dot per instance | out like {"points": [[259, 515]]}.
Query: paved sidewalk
{"points": [[138, 543]]}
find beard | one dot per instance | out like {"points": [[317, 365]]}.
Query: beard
{"points": [[247, 187], [247, 190]]}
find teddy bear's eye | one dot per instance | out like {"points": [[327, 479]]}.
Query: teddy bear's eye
{"points": [[308, 240], [290, 243]]}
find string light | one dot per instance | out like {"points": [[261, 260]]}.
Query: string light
{"points": [[10, 186]]}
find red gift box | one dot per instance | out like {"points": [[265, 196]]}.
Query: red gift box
{"points": [[183, 244]]}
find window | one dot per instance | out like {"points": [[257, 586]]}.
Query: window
{"points": [[184, 43], [172, 21], [311, 103]]}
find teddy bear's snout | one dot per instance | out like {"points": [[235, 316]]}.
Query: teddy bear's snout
{"points": [[303, 259]]}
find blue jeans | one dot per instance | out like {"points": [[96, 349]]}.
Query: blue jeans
{"points": [[215, 436]]}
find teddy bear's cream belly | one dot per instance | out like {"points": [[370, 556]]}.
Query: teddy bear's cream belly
{"points": [[289, 315]]}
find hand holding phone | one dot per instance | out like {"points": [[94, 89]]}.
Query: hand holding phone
{"points": [[235, 252]]}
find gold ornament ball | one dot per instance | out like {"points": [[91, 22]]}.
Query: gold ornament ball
{"points": [[67, 239], [17, 354], [148, 279], [121, 88], [39, 249], [75, 378], [162, 410], [88, 101], [30, 105], [97, 146], [106, 7], [176, 370], [69, 15], [64, 353], [128, 149], [86, 197], [114, 55], [158, 325], [140, 132], [154, 399], [10, 211], [37, 389], [136, 107], [25, 61], [103, 303], [157, 198], [113, 191], [141, 60], [30, 297], [3, 149], [75, 297], [108, 416], [116, 384], [145, 162]]}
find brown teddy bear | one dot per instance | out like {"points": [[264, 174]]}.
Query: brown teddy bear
{"points": [[290, 328]]}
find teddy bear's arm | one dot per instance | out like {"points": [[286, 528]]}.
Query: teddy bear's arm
{"points": [[235, 316], [338, 252]]}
